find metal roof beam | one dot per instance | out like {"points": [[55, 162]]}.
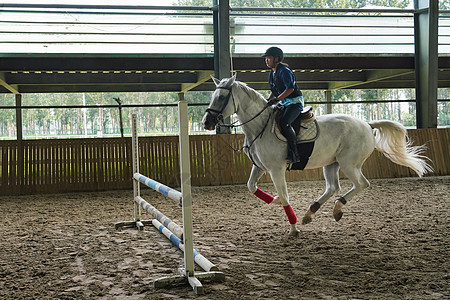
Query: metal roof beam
{"points": [[99, 77], [12, 88], [201, 78], [331, 62], [105, 63], [371, 76], [207, 86], [302, 75], [100, 88]]}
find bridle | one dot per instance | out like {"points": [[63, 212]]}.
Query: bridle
{"points": [[219, 117]]}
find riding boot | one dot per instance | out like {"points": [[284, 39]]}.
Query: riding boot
{"points": [[293, 155]]}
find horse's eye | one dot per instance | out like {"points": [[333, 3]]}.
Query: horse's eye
{"points": [[221, 97]]}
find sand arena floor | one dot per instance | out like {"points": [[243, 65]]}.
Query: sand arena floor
{"points": [[392, 243]]}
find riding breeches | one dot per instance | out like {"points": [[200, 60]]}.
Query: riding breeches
{"points": [[289, 114]]}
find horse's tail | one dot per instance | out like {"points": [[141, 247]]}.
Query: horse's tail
{"points": [[391, 139]]}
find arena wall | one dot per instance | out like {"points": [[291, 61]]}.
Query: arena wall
{"points": [[78, 165]]}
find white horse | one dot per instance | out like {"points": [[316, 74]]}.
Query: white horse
{"points": [[344, 143]]}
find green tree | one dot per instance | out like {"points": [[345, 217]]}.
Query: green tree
{"points": [[303, 3], [7, 116], [444, 4]]}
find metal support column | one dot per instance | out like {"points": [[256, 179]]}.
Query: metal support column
{"points": [[19, 117], [426, 62], [328, 107], [19, 135], [222, 59]]}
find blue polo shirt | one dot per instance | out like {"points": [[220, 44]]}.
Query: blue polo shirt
{"points": [[287, 79]]}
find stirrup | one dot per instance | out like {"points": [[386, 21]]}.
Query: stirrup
{"points": [[292, 158]]}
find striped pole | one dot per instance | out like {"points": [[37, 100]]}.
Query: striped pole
{"points": [[172, 226], [182, 238], [199, 259], [159, 187]]}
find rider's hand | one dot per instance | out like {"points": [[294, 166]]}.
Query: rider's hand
{"points": [[272, 101]]}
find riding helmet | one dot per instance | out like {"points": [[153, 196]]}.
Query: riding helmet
{"points": [[275, 52]]}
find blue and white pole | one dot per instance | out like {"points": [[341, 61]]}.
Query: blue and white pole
{"points": [[159, 187], [171, 225], [199, 259]]}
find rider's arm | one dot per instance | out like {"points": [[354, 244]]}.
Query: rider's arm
{"points": [[286, 93], [272, 101], [288, 78]]}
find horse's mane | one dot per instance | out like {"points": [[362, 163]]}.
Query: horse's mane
{"points": [[252, 93]]}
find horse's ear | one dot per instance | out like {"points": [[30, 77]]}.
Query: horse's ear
{"points": [[216, 81], [231, 80]]}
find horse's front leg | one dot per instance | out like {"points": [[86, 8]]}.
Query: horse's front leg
{"points": [[252, 182], [279, 180]]}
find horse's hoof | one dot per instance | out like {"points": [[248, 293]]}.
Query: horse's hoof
{"points": [[293, 233], [337, 210], [308, 217], [338, 215], [306, 220]]}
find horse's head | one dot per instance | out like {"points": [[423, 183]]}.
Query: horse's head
{"points": [[220, 106]]}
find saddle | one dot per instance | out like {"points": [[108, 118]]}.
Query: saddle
{"points": [[307, 115], [305, 140]]}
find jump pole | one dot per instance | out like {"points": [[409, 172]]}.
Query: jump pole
{"points": [[172, 226], [187, 274], [199, 259], [159, 187]]}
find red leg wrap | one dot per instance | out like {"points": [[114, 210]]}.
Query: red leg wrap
{"points": [[290, 214], [263, 196]]}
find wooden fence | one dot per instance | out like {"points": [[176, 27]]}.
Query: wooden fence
{"points": [[76, 165]]}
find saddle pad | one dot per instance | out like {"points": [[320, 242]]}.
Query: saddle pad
{"points": [[305, 150], [309, 132]]}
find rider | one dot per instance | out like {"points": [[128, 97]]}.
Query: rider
{"points": [[284, 90]]}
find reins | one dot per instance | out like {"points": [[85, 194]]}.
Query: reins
{"points": [[219, 111], [233, 125]]}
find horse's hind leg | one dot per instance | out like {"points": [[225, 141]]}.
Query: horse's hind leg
{"points": [[360, 182], [331, 174]]}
